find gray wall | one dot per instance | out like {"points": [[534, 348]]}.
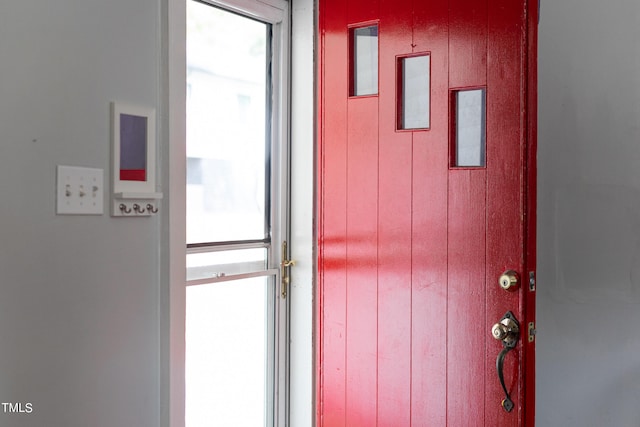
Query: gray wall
{"points": [[588, 370], [79, 295]]}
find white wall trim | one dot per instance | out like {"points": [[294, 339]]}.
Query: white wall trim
{"points": [[173, 383], [302, 212]]}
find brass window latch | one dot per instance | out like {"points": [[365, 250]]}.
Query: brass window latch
{"points": [[285, 270]]}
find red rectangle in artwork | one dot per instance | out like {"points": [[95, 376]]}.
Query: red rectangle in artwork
{"points": [[133, 175]]}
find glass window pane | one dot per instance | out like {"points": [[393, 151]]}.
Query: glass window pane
{"points": [[365, 61], [226, 126], [227, 343], [208, 265], [470, 127], [416, 86]]}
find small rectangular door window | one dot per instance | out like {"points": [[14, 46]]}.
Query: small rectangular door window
{"points": [[364, 61], [415, 85], [470, 127]]}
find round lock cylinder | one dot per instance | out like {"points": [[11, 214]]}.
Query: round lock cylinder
{"points": [[509, 281]]}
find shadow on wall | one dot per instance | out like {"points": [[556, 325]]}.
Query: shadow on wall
{"points": [[622, 404], [597, 243]]}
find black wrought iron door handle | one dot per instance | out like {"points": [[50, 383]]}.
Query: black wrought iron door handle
{"points": [[507, 331], [507, 403]]}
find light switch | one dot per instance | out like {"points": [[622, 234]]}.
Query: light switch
{"points": [[80, 191]]}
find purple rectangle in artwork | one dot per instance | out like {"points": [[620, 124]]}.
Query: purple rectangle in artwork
{"points": [[133, 142]]}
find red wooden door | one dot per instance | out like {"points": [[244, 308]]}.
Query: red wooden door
{"points": [[412, 240]]}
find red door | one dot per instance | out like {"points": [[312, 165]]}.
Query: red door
{"points": [[426, 181]]}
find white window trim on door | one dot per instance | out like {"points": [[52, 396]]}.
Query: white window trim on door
{"points": [[302, 244]]}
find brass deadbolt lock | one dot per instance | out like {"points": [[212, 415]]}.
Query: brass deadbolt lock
{"points": [[509, 281]]}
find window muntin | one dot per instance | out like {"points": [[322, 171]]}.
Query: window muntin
{"points": [[226, 262]]}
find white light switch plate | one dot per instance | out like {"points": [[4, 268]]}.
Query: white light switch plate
{"points": [[80, 191]]}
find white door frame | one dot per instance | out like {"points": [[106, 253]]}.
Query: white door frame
{"points": [[303, 237]]}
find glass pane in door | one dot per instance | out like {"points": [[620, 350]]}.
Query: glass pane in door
{"points": [[415, 75], [364, 61], [227, 127], [470, 127], [228, 343]]}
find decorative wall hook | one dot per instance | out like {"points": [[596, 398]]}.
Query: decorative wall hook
{"points": [[139, 209], [135, 205]]}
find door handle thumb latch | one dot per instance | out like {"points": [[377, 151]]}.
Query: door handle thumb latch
{"points": [[507, 331], [285, 267]]}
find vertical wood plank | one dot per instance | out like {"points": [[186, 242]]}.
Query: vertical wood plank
{"points": [[362, 247], [466, 336], [333, 232], [468, 42], [429, 226], [394, 227], [505, 185], [362, 10], [362, 244]]}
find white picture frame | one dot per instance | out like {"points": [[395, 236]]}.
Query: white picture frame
{"points": [[133, 160]]}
